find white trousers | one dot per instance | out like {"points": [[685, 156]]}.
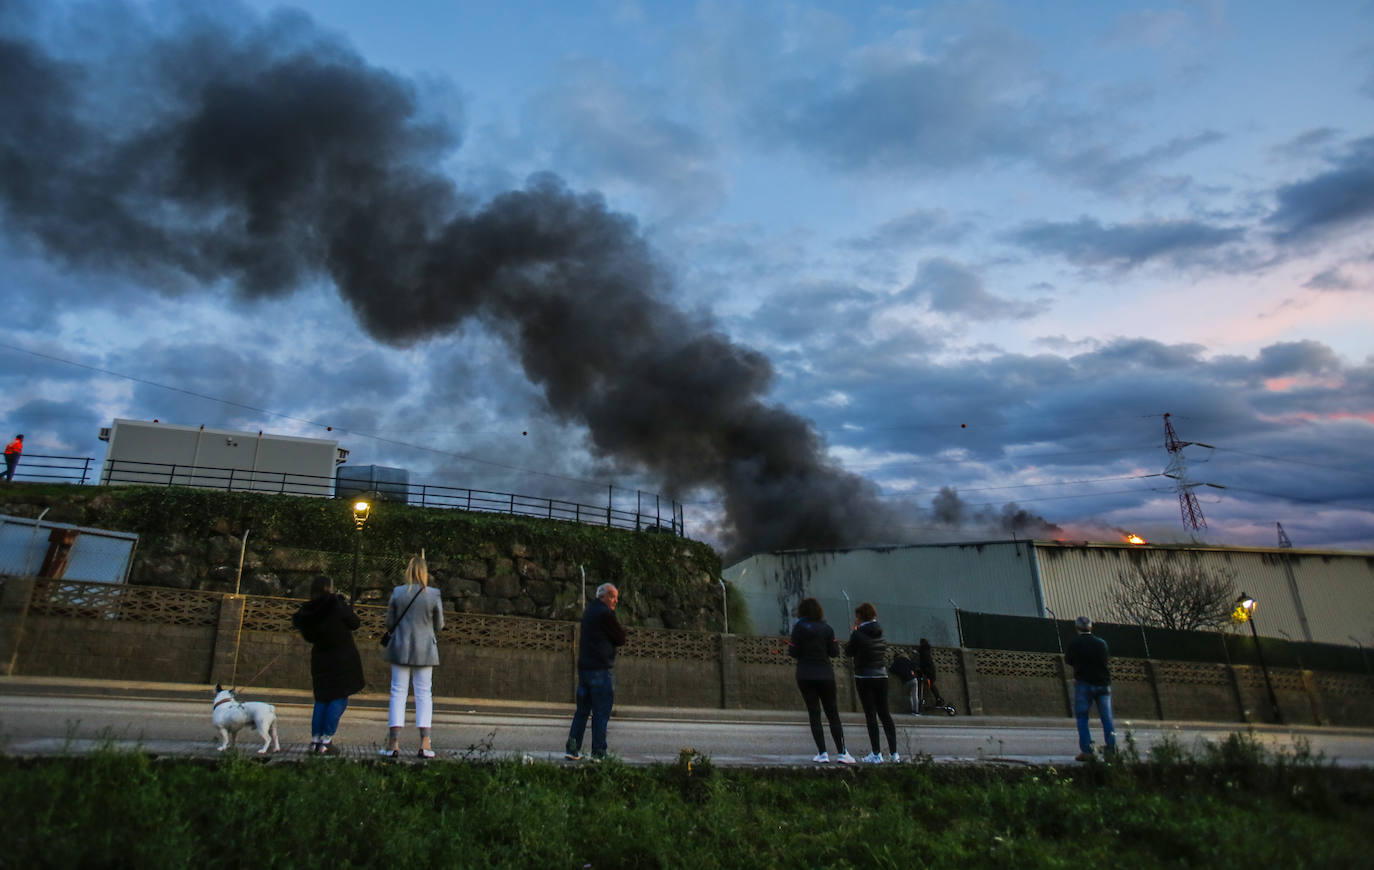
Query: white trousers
{"points": [[401, 678]]}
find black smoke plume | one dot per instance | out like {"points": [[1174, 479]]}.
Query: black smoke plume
{"points": [[259, 152], [950, 511]]}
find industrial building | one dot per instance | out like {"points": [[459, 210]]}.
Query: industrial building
{"points": [[1303, 595]]}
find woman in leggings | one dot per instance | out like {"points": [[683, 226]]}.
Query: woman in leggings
{"points": [[813, 645], [869, 651], [414, 613]]}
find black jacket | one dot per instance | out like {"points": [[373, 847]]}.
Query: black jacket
{"points": [[813, 645], [868, 649], [601, 634], [336, 670], [1088, 655]]}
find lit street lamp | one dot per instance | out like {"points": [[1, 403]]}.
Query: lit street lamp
{"points": [[361, 510], [1245, 609]]}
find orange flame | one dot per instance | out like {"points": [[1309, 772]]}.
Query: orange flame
{"points": [[1134, 539]]}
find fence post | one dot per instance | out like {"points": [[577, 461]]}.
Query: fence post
{"points": [[85, 469]]}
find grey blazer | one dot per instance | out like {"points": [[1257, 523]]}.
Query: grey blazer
{"points": [[412, 638]]}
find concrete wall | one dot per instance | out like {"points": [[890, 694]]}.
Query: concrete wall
{"points": [[58, 628]]}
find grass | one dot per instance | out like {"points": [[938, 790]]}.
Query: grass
{"points": [[1232, 804]]}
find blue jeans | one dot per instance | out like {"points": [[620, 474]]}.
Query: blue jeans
{"points": [[1084, 695], [325, 720], [595, 697]]}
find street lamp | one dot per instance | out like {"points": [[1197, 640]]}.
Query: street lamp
{"points": [[1245, 609], [362, 509]]}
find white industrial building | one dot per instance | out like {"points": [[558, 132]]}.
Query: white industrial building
{"points": [[1303, 595], [165, 454]]}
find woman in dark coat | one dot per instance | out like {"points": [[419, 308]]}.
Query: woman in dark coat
{"points": [[869, 651], [336, 670], [813, 644]]}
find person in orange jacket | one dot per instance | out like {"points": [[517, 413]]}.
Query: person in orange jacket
{"points": [[12, 451]]}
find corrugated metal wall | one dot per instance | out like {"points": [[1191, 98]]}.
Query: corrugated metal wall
{"points": [[912, 587], [1334, 591]]}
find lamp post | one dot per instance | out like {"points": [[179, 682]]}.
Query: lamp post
{"points": [[362, 509], [1245, 607]]}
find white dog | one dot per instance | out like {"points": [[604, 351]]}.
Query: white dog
{"points": [[230, 714]]}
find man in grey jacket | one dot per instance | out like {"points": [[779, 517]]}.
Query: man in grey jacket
{"points": [[1092, 683]]}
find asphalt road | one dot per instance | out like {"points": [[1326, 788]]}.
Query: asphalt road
{"points": [[39, 717]]}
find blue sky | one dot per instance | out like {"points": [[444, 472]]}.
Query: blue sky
{"points": [[828, 273]]}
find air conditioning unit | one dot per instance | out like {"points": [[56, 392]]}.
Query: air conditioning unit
{"points": [[104, 433]]}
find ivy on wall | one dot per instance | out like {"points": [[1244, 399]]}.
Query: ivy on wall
{"points": [[167, 518]]}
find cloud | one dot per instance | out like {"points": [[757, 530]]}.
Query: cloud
{"points": [[1334, 201], [1101, 169], [1088, 242], [901, 105], [916, 229], [614, 136], [952, 288]]}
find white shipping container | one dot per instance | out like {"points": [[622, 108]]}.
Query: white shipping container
{"points": [[165, 454]]}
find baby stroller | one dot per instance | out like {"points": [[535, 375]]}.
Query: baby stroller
{"points": [[925, 698]]}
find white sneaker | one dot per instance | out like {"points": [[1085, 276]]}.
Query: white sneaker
{"points": [[896, 758], [872, 758], [845, 758], [823, 758]]}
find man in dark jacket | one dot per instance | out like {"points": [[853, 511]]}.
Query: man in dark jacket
{"points": [[601, 634], [1092, 683]]}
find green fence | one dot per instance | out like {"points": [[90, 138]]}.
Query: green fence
{"points": [[1029, 634]]}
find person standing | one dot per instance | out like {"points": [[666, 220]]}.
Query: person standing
{"points": [[868, 649], [813, 645], [327, 622], [413, 615], [601, 635], [13, 450], [1092, 684], [925, 667]]}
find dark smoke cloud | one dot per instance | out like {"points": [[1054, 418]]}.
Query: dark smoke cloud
{"points": [[261, 153], [948, 509]]}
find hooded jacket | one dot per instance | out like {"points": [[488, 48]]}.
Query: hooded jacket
{"points": [[327, 623], [868, 650]]}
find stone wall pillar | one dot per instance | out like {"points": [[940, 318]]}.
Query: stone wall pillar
{"points": [[1309, 686], [729, 673], [1153, 679], [968, 669], [1066, 681], [228, 635], [15, 596], [572, 659]]}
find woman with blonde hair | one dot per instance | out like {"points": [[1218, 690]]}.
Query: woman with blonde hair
{"points": [[414, 614]]}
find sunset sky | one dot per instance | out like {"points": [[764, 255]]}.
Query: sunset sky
{"points": [[968, 254]]}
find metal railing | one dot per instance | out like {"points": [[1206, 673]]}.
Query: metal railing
{"points": [[650, 512], [56, 469]]}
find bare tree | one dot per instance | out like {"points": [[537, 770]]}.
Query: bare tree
{"points": [[1174, 594]]}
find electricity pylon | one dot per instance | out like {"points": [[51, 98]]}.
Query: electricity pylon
{"points": [[1188, 505]]}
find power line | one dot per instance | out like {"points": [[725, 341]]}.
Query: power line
{"points": [[315, 423]]}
